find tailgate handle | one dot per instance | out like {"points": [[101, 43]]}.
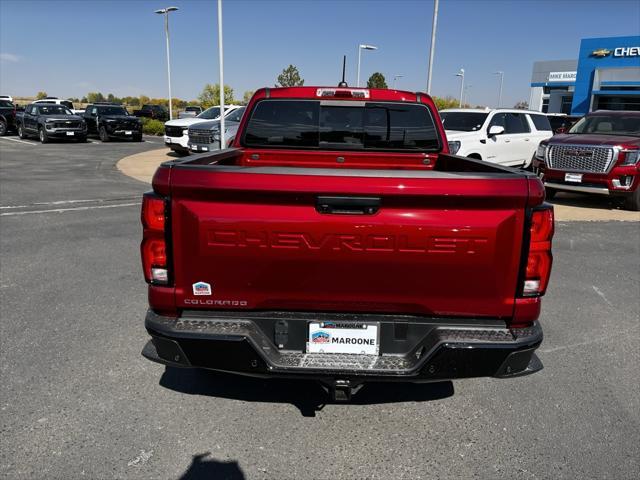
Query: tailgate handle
{"points": [[348, 205]]}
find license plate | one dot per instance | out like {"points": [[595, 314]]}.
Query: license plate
{"points": [[573, 177], [70, 134], [194, 148], [343, 337], [128, 132]]}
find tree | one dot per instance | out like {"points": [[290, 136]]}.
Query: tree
{"points": [[290, 77], [247, 96], [377, 80], [94, 97], [84, 100], [445, 102], [111, 98], [41, 95], [521, 105], [143, 99], [210, 95]]}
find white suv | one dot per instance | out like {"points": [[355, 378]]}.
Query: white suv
{"points": [[176, 132], [57, 101], [504, 136]]}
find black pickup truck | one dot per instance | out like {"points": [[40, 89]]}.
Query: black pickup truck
{"points": [[48, 121], [109, 120], [156, 112], [7, 117]]}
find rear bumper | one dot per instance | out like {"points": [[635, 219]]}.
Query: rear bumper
{"points": [[413, 349]]}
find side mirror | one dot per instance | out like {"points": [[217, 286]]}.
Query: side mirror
{"points": [[495, 130]]}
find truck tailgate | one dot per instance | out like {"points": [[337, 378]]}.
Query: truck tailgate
{"points": [[436, 243]]}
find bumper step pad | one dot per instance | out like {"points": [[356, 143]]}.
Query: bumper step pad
{"points": [[240, 345]]}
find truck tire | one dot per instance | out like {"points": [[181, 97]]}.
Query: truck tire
{"points": [[104, 136], [632, 202], [44, 138], [137, 138], [3, 128], [21, 133], [549, 193]]}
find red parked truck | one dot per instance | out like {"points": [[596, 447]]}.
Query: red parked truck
{"points": [[600, 155], [338, 240]]}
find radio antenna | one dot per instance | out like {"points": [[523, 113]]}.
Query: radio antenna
{"points": [[344, 66]]}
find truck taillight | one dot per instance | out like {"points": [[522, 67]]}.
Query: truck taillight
{"points": [[539, 259], [154, 245]]}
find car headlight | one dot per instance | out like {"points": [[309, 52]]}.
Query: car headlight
{"points": [[541, 151], [631, 157], [454, 146]]}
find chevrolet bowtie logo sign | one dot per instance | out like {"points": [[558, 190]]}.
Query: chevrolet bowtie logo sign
{"points": [[602, 52]]}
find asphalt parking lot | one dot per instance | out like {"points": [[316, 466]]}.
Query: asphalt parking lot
{"points": [[78, 400]]}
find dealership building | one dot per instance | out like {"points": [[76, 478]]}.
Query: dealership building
{"points": [[606, 76]]}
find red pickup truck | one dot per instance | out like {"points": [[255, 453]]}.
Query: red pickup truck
{"points": [[599, 155], [338, 240]]}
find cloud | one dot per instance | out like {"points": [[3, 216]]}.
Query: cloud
{"points": [[9, 57]]}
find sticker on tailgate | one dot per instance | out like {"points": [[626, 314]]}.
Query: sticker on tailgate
{"points": [[201, 288]]}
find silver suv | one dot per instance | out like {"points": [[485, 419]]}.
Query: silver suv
{"points": [[205, 137]]}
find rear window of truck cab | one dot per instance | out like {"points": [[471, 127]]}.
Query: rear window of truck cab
{"points": [[341, 125]]}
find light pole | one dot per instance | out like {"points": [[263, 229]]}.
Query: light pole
{"points": [[165, 12], [461, 75], [220, 57], [432, 49], [360, 48], [500, 91], [395, 77], [466, 93]]}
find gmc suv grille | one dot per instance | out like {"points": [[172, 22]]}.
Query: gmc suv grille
{"points": [[173, 131], [580, 159], [201, 136]]}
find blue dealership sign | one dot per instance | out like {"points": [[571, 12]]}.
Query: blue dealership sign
{"points": [[598, 54]]}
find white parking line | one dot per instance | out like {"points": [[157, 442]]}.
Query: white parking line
{"points": [[17, 140], [64, 202], [61, 210]]}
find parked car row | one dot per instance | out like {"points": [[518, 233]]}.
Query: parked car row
{"points": [[177, 132], [50, 119], [595, 154]]}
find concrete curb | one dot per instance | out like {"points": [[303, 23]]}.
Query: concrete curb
{"points": [[568, 207], [142, 166]]}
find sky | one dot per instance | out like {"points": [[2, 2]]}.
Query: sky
{"points": [[69, 48]]}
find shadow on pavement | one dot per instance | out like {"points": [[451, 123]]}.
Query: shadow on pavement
{"points": [[209, 469], [307, 395], [601, 202]]}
